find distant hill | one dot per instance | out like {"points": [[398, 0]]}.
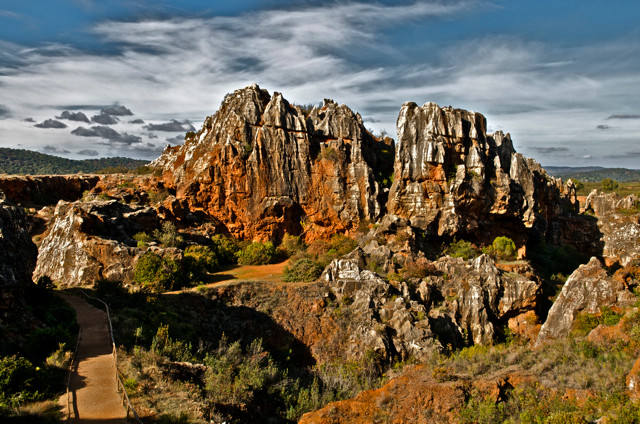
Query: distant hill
{"points": [[594, 173], [19, 161]]}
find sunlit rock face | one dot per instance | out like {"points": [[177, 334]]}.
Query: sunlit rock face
{"points": [[263, 167], [451, 177]]}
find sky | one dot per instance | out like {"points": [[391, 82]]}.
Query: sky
{"points": [[90, 78]]}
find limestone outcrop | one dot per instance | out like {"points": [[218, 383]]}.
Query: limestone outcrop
{"points": [[619, 223], [452, 178], [17, 251], [588, 289], [42, 190], [263, 167], [89, 241]]}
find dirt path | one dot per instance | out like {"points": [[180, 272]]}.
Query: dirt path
{"points": [[93, 386], [240, 273]]}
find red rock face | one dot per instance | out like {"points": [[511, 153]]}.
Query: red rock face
{"points": [[263, 167]]}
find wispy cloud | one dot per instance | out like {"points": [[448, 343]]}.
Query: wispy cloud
{"points": [[180, 69]]}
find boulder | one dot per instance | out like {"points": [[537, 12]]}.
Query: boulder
{"points": [[619, 223], [89, 241], [587, 289]]}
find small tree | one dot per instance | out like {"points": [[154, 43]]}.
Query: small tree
{"points": [[609, 184], [168, 236], [504, 248], [257, 254]]}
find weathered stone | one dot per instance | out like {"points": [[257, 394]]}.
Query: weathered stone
{"points": [[45, 189], [470, 298], [262, 168], [89, 241], [452, 178], [587, 289], [619, 223], [17, 251]]}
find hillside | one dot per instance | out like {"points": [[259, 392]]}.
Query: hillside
{"points": [[594, 173], [19, 161]]}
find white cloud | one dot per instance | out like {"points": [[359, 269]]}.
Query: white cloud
{"points": [[182, 68]]}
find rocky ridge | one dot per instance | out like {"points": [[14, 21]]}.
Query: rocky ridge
{"points": [[263, 167]]}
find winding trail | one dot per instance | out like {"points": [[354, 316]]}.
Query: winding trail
{"points": [[95, 399]]}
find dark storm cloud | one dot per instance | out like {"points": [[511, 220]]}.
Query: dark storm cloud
{"points": [[603, 127], [104, 119], [107, 134], [53, 149], [171, 126], [74, 116], [4, 112], [629, 154], [624, 117], [29, 120], [137, 121], [179, 139], [116, 110], [51, 123], [549, 150], [88, 152]]}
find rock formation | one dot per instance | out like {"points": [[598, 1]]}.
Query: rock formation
{"points": [[452, 178], [18, 253], [587, 289], [89, 241], [619, 223], [45, 189], [264, 167]]}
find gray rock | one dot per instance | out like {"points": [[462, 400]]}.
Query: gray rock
{"points": [[17, 251], [587, 289]]}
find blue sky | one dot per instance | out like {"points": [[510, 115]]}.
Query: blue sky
{"points": [[563, 77]]}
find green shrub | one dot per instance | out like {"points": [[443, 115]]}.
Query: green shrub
{"points": [[168, 236], [143, 239], [204, 257], [257, 254], [291, 245], [462, 249], [504, 248], [226, 249], [608, 184], [176, 350], [44, 282], [303, 269], [155, 273], [235, 375]]}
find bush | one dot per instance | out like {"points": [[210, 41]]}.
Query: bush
{"points": [[44, 282], [257, 254], [608, 184], [168, 236], [504, 248], [204, 257], [291, 245], [225, 248], [462, 249], [303, 269], [155, 273], [143, 239]]}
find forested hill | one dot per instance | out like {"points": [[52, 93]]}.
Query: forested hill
{"points": [[594, 173], [18, 161]]}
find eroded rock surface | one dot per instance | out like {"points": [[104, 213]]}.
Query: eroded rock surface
{"points": [[89, 241], [43, 190], [619, 223], [451, 177], [17, 251], [587, 289], [263, 166]]}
